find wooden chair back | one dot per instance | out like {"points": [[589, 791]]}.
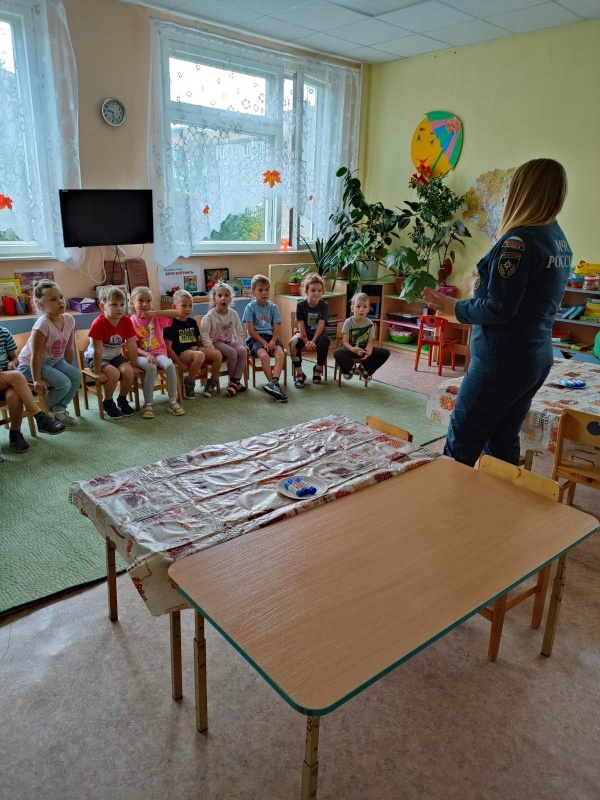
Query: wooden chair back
{"points": [[576, 426], [385, 427], [546, 487]]}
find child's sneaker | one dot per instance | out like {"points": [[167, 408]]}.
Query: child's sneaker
{"points": [[175, 408], [111, 410], [124, 407], [299, 378], [189, 389], [17, 442], [64, 417], [46, 424], [349, 375], [147, 412], [365, 376], [210, 387], [279, 396], [317, 374]]}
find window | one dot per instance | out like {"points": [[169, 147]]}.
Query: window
{"points": [[244, 143], [38, 128]]}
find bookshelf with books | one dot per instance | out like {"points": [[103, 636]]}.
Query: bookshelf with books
{"points": [[578, 321]]}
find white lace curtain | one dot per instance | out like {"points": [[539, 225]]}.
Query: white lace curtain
{"points": [[38, 123], [222, 114]]}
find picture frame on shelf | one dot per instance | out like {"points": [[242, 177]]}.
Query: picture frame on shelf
{"points": [[216, 275]]}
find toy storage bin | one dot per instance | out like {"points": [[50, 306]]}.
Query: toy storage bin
{"points": [[77, 304]]}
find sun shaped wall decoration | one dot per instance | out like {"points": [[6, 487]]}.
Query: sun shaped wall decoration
{"points": [[436, 142]]}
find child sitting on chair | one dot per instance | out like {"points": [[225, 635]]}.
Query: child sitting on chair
{"points": [[148, 327], [110, 332], [185, 348], [358, 343], [263, 324], [47, 358], [311, 315], [15, 392], [222, 329]]}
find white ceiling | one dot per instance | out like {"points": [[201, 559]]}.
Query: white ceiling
{"points": [[372, 31]]}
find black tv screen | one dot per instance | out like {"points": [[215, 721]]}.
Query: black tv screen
{"points": [[93, 217]]}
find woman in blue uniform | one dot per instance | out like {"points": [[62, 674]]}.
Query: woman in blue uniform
{"points": [[518, 292]]}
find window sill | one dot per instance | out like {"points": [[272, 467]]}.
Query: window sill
{"points": [[229, 253]]}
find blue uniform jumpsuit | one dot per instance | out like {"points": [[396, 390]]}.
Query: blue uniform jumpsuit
{"points": [[518, 292]]}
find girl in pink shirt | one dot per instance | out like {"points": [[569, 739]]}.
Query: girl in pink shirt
{"points": [[148, 326], [47, 358]]}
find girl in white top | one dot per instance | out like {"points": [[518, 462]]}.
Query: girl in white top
{"points": [[223, 330], [47, 358]]}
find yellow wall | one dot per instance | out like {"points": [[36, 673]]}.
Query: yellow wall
{"points": [[111, 41], [528, 96]]}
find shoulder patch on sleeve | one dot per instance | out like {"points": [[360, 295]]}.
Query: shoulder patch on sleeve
{"points": [[514, 243], [508, 264]]}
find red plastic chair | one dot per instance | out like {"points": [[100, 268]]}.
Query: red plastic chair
{"points": [[435, 338]]}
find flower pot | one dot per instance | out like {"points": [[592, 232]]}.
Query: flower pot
{"points": [[294, 289], [449, 291], [342, 274], [399, 282], [369, 270]]}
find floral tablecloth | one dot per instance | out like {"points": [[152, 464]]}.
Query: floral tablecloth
{"points": [[540, 428], [159, 513]]}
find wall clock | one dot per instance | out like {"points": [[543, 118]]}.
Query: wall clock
{"points": [[113, 112]]}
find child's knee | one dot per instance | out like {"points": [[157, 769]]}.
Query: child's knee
{"points": [[12, 400], [112, 373], [126, 370]]}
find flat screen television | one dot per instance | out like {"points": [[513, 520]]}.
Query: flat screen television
{"points": [[92, 217]]}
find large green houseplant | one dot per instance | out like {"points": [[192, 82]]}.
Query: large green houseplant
{"points": [[326, 255], [432, 234], [366, 230]]}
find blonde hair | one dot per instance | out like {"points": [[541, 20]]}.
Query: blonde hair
{"points": [[181, 293], [358, 297], [107, 293], [219, 287], [259, 279], [40, 287], [310, 279], [535, 196], [140, 290]]}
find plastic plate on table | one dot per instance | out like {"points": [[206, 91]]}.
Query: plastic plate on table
{"points": [[303, 484], [572, 384]]}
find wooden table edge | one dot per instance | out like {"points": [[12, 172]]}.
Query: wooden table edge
{"points": [[321, 712]]}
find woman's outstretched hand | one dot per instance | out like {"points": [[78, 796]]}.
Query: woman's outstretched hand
{"points": [[439, 301]]}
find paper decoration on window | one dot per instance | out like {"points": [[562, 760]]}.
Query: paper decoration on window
{"points": [[5, 202], [436, 143], [205, 210], [271, 177]]}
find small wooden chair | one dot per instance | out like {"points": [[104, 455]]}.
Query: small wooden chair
{"points": [[339, 341], [547, 488], [385, 427], [20, 341], [89, 384], [576, 426], [294, 327], [435, 339]]}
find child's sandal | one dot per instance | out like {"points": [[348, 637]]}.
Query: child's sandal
{"points": [[232, 390], [147, 412], [175, 408]]}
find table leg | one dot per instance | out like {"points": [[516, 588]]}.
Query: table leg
{"points": [[111, 581], [310, 770], [555, 601], [176, 679], [541, 590], [200, 674], [498, 614]]}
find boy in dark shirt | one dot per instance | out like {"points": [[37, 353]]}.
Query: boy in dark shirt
{"points": [[184, 347]]}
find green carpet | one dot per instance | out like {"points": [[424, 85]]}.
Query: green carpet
{"points": [[47, 547]]}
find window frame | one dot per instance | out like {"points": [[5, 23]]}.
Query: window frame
{"points": [[20, 15], [174, 111]]}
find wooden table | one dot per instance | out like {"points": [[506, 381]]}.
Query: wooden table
{"points": [[338, 599]]}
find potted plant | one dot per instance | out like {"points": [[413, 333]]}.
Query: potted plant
{"points": [[295, 280], [432, 234], [366, 231], [401, 263], [326, 255]]}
